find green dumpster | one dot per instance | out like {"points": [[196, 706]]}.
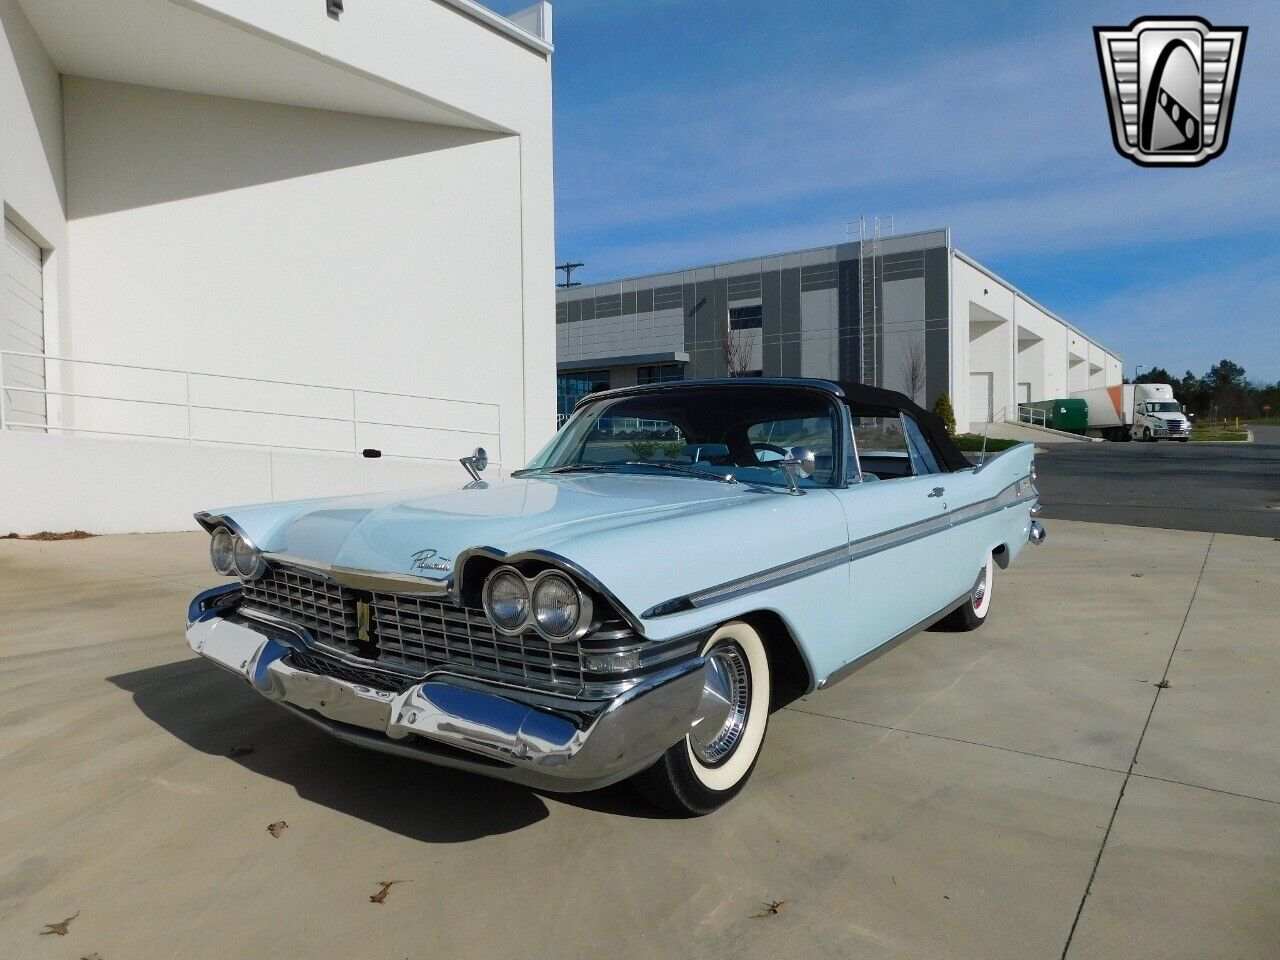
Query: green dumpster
{"points": [[1066, 414]]}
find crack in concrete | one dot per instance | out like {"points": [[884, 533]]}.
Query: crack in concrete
{"points": [[1132, 763]]}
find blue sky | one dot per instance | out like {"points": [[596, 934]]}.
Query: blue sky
{"points": [[692, 131]]}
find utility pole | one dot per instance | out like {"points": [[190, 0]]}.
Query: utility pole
{"points": [[568, 269]]}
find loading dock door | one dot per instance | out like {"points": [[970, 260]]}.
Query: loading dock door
{"points": [[1024, 392], [980, 397], [22, 327]]}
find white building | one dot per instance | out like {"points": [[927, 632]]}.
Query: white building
{"points": [[246, 240], [910, 313]]}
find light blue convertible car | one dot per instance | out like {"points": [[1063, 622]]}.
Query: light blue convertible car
{"points": [[679, 561]]}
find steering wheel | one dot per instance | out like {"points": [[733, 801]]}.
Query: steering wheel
{"points": [[782, 452]]}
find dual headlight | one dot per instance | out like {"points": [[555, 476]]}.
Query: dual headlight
{"points": [[550, 603], [233, 555]]}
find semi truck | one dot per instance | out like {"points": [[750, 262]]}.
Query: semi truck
{"points": [[1135, 411]]}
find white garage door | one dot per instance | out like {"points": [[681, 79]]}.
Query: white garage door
{"points": [[22, 326], [980, 397]]}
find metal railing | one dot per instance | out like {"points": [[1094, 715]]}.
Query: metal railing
{"points": [[1033, 415], [351, 411]]}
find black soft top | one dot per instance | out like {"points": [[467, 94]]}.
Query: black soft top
{"points": [[861, 399], [875, 400]]}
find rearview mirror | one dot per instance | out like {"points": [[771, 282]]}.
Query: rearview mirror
{"points": [[805, 459], [476, 463], [800, 462]]}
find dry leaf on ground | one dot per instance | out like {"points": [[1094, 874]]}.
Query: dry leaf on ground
{"points": [[381, 895], [59, 928], [771, 909], [277, 828]]}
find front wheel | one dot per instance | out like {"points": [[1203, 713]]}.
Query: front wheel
{"points": [[712, 764], [972, 614], [1147, 436]]}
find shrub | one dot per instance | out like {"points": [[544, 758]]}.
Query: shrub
{"points": [[942, 407]]}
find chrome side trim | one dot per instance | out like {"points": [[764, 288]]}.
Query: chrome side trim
{"points": [[859, 662], [1010, 496]]}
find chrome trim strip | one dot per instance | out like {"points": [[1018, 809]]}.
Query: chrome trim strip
{"points": [[846, 553], [857, 663]]}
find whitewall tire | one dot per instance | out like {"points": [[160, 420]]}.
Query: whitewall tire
{"points": [[712, 764], [972, 614]]}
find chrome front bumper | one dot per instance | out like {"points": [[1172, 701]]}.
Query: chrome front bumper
{"points": [[544, 741]]}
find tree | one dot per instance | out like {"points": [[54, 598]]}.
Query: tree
{"points": [[736, 347], [1225, 375], [942, 407], [1155, 375], [912, 371]]}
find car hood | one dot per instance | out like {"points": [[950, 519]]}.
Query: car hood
{"points": [[644, 538], [386, 532]]}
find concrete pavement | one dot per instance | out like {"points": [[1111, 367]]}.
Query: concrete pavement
{"points": [[1018, 792]]}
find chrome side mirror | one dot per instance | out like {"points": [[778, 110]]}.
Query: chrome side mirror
{"points": [[800, 461], [476, 463]]}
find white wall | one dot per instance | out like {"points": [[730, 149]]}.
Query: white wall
{"points": [[31, 151], [130, 486], [239, 237], [1043, 356]]}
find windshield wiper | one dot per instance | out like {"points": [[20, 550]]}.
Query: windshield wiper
{"points": [[685, 469]]}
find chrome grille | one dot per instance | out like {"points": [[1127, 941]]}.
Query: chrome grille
{"points": [[324, 608], [412, 634], [416, 634]]}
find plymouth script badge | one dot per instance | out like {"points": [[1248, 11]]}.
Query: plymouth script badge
{"points": [[431, 560]]}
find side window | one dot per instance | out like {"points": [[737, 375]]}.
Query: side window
{"points": [[882, 447], [922, 456], [773, 439]]}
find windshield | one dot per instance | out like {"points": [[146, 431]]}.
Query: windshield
{"points": [[1163, 406], [716, 432]]}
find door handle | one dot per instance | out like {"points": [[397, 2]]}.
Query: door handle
{"points": [[937, 492]]}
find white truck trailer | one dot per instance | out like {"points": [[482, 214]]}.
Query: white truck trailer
{"points": [[1135, 411]]}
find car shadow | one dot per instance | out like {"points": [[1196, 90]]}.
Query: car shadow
{"points": [[214, 712]]}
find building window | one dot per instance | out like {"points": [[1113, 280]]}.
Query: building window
{"points": [[747, 373], [746, 318], [573, 386], [660, 373]]}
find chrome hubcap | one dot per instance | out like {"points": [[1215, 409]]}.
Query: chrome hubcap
{"points": [[722, 714], [980, 590]]}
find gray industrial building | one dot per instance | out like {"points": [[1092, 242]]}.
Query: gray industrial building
{"points": [[907, 312]]}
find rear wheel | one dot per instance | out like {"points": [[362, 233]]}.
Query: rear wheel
{"points": [[972, 614], [712, 764]]}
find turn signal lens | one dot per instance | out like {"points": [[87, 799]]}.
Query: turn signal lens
{"points": [[506, 600], [556, 607], [248, 561]]}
